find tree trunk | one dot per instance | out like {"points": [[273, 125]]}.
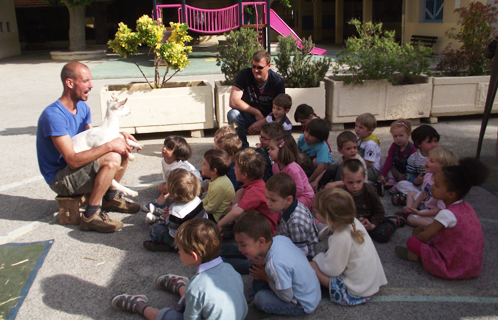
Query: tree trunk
{"points": [[100, 22], [76, 28]]}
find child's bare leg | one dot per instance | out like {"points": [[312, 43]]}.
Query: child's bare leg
{"points": [[150, 313], [417, 221], [322, 277], [410, 199], [160, 187]]}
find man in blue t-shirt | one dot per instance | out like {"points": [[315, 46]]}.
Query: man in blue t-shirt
{"points": [[92, 171], [251, 98]]}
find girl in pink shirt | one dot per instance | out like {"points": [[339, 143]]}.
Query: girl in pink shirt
{"points": [[452, 246], [284, 153]]}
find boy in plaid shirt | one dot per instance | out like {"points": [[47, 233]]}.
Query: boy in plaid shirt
{"points": [[296, 221]]}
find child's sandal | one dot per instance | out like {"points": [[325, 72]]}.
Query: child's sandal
{"points": [[395, 199], [171, 282], [402, 199], [405, 254]]}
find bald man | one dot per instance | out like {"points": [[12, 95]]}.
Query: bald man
{"points": [[70, 173]]}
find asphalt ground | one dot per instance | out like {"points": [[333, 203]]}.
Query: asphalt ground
{"points": [[84, 270]]}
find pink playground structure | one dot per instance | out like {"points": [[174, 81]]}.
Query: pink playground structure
{"points": [[216, 21]]}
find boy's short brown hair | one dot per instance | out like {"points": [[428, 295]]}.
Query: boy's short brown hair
{"points": [[230, 143], [283, 100], [282, 184], [319, 129], [225, 130], [261, 54], [353, 166], [346, 136], [368, 120], [219, 160], [444, 156], [255, 225], [251, 163], [180, 147], [273, 129], [201, 236], [183, 186]]}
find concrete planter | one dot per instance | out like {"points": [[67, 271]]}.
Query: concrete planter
{"points": [[460, 95], [181, 106], [344, 102], [314, 97]]}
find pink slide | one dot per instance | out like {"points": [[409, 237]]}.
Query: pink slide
{"points": [[277, 24]]}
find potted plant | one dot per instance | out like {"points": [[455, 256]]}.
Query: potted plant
{"points": [[155, 105], [303, 74], [376, 74], [462, 84], [234, 54]]}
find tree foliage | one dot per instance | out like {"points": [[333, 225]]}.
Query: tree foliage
{"points": [[475, 33], [237, 53], [375, 54], [174, 52], [298, 66]]}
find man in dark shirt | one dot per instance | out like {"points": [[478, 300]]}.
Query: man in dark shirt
{"points": [[251, 98]]}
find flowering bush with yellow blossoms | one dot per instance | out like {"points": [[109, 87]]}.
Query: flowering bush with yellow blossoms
{"points": [[174, 52]]}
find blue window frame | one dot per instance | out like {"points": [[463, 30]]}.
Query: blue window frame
{"points": [[433, 10]]}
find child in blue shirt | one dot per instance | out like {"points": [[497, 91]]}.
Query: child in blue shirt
{"points": [[315, 155], [284, 282], [216, 291], [281, 107]]}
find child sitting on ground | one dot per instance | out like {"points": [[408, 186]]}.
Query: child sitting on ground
{"points": [[249, 169], [394, 169], [268, 132], [452, 246], [425, 138], [284, 154], [351, 268], [315, 155], [347, 148], [369, 149], [227, 129], [437, 160], [216, 291], [284, 283], [176, 153], [281, 107], [184, 189], [369, 209], [296, 221], [304, 114], [231, 144], [220, 192]]}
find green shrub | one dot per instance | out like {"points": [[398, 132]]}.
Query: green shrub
{"points": [[297, 67], [475, 33], [237, 53], [375, 54]]}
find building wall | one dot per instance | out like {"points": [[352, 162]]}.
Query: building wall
{"points": [[9, 35], [414, 25]]}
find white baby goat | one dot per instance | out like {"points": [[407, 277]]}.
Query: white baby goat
{"points": [[107, 131]]}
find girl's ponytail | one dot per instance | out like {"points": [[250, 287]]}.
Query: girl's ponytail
{"points": [[468, 173], [357, 234], [287, 149]]}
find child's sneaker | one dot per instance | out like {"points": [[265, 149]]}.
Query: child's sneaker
{"points": [[171, 282], [379, 187], [149, 207], [127, 302], [400, 221], [393, 190], [155, 214], [390, 183]]}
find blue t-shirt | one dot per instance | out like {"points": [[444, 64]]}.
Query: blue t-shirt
{"points": [[288, 267], [320, 150], [56, 121]]}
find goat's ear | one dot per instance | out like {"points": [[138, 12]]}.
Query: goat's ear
{"points": [[121, 103]]}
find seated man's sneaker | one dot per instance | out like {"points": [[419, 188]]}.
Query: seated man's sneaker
{"points": [[100, 222], [120, 204]]}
